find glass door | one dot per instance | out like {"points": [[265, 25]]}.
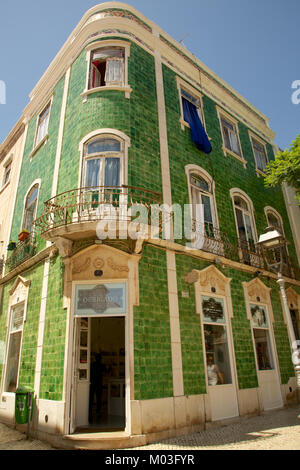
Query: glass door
{"points": [[267, 373], [218, 359]]}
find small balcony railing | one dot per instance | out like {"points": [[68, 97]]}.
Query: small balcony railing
{"points": [[22, 252], [91, 204], [213, 240]]}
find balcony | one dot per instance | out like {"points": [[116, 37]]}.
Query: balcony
{"points": [[75, 214], [22, 252]]}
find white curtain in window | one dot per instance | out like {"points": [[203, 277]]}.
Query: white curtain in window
{"points": [[92, 172], [114, 71], [112, 172]]}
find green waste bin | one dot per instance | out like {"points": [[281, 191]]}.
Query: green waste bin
{"points": [[24, 401]]}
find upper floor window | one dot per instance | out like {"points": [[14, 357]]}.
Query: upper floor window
{"points": [[203, 210], [260, 153], [7, 173], [42, 127], [245, 225], [192, 116], [103, 163], [107, 67], [230, 136], [30, 208], [274, 219]]}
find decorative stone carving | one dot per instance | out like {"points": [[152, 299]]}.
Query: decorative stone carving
{"points": [[257, 289], [98, 263], [212, 280], [81, 267], [116, 267]]}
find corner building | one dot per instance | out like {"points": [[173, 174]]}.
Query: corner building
{"points": [[136, 340]]}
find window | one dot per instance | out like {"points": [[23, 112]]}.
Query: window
{"points": [[261, 334], [230, 136], [202, 194], [192, 116], [245, 226], [30, 208], [42, 127], [14, 348], [195, 101], [274, 220], [260, 154], [107, 67], [216, 341], [103, 169], [7, 173], [203, 210]]}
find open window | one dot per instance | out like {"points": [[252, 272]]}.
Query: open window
{"points": [[42, 126], [107, 67], [192, 115]]}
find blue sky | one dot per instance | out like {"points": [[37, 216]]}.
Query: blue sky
{"points": [[251, 44]]}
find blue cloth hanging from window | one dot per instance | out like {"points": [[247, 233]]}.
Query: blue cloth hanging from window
{"points": [[198, 134]]}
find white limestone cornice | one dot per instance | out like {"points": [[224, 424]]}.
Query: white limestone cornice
{"points": [[137, 28]]}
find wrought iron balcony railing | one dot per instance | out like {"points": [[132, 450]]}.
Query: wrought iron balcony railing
{"points": [[22, 251], [91, 204]]}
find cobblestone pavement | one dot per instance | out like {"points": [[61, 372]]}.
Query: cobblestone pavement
{"points": [[277, 430]]}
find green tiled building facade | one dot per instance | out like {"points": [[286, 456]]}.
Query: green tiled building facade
{"points": [[122, 132]]}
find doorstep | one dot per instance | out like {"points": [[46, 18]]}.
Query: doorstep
{"points": [[101, 441]]}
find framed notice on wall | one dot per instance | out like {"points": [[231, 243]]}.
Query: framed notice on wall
{"points": [[92, 300]]}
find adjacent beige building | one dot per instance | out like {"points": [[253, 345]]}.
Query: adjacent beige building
{"points": [[11, 151]]}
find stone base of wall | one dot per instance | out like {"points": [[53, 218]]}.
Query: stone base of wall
{"points": [[151, 420]]}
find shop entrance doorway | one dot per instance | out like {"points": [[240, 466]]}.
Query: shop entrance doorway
{"points": [[99, 374]]}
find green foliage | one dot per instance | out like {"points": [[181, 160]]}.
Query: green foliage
{"points": [[286, 168]]}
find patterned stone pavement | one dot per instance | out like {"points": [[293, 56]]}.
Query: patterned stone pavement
{"points": [[277, 430]]}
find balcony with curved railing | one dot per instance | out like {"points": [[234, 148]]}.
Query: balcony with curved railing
{"points": [[75, 214]]}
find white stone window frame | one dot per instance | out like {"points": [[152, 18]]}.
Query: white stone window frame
{"points": [[102, 133], [227, 117], [6, 164], [275, 213], [90, 48], [189, 170], [181, 84], [252, 137], [44, 140], [34, 183], [238, 192], [18, 295]]}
